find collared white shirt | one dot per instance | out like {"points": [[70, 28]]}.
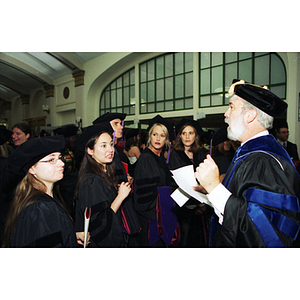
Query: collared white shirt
{"points": [[220, 194]]}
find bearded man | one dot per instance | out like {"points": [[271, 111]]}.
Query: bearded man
{"points": [[257, 203]]}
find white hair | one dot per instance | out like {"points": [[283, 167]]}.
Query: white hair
{"points": [[263, 119]]}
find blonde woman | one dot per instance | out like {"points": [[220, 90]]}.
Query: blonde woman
{"points": [[151, 175]]}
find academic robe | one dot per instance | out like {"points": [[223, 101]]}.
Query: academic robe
{"points": [[151, 172], [105, 225], [43, 224], [193, 228], [263, 210]]}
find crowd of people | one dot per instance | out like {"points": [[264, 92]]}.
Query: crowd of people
{"points": [[124, 178]]}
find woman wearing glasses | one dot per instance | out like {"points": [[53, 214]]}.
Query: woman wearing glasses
{"points": [[37, 217]]}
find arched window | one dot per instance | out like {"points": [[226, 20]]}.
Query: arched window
{"points": [[119, 95], [217, 69], [166, 83]]}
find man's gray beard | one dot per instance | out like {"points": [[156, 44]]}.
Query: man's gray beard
{"points": [[236, 128]]}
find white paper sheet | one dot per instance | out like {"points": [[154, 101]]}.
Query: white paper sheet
{"points": [[185, 179]]}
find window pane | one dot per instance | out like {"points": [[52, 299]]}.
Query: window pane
{"points": [[189, 103], [245, 70], [132, 77], [160, 67], [150, 70], [217, 58], [119, 97], [143, 108], [279, 91], [230, 73], [244, 55], [230, 57], [169, 65], [178, 63], [119, 82], [160, 106], [216, 100], [126, 79], [189, 84], [107, 99], [160, 89], [113, 85], [132, 92], [217, 80], [169, 105], [261, 75], [126, 110], [143, 73], [188, 58], [132, 110], [205, 59], [126, 96], [205, 82], [151, 107], [150, 91], [113, 98], [178, 86], [277, 70], [120, 110], [169, 88], [179, 104], [102, 102], [143, 92], [205, 101]]}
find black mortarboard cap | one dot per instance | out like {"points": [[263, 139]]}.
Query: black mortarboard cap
{"points": [[160, 120], [89, 132], [107, 117], [30, 152], [5, 134], [185, 121], [67, 130], [131, 133], [260, 97], [220, 136]]}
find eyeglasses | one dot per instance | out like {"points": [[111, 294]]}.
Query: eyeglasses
{"points": [[53, 161]]}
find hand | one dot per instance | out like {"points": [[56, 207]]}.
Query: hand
{"points": [[207, 174], [130, 179], [80, 238], [124, 189]]}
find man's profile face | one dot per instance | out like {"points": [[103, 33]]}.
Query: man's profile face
{"points": [[234, 117], [116, 124], [282, 134]]}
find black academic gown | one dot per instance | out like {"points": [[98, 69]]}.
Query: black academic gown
{"points": [[263, 210], [193, 228], [151, 172], [44, 224], [105, 225]]}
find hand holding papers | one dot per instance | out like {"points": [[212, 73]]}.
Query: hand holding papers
{"points": [[87, 215], [185, 179]]}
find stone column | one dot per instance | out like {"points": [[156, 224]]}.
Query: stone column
{"points": [[25, 107], [79, 92], [49, 89]]}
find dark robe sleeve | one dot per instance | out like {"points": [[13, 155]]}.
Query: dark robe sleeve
{"points": [[43, 224], [244, 215], [147, 178], [105, 225]]}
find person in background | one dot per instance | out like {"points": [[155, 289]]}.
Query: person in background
{"points": [[116, 121], [192, 217], [222, 152], [257, 204], [282, 134], [152, 179], [98, 189], [37, 217], [21, 133], [68, 183], [131, 149]]}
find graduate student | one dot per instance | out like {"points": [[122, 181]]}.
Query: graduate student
{"points": [[99, 190], [257, 204], [37, 217], [152, 179], [192, 217]]}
